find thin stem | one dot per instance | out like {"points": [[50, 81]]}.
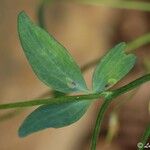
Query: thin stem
{"points": [[108, 99], [121, 4], [58, 100], [17, 111], [130, 86], [40, 15], [98, 124], [145, 137], [66, 99], [140, 41]]}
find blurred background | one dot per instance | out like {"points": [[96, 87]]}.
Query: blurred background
{"points": [[87, 29]]}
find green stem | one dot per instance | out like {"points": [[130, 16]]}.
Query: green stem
{"points": [[40, 15], [145, 137], [130, 86], [65, 99], [108, 100], [142, 40], [98, 123], [122, 4], [58, 100]]}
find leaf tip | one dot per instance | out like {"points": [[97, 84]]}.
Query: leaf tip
{"points": [[122, 43], [22, 14], [121, 46], [21, 132], [23, 19]]}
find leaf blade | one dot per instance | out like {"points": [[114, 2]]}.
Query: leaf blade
{"points": [[112, 68], [49, 59], [54, 116]]}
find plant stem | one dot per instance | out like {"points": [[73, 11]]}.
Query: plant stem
{"points": [[121, 4], [98, 123], [58, 100], [40, 13], [108, 100], [66, 99], [17, 111], [140, 41], [130, 86], [145, 137]]}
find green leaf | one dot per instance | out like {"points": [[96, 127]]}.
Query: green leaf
{"points": [[56, 68], [113, 67], [49, 59], [55, 116]]}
